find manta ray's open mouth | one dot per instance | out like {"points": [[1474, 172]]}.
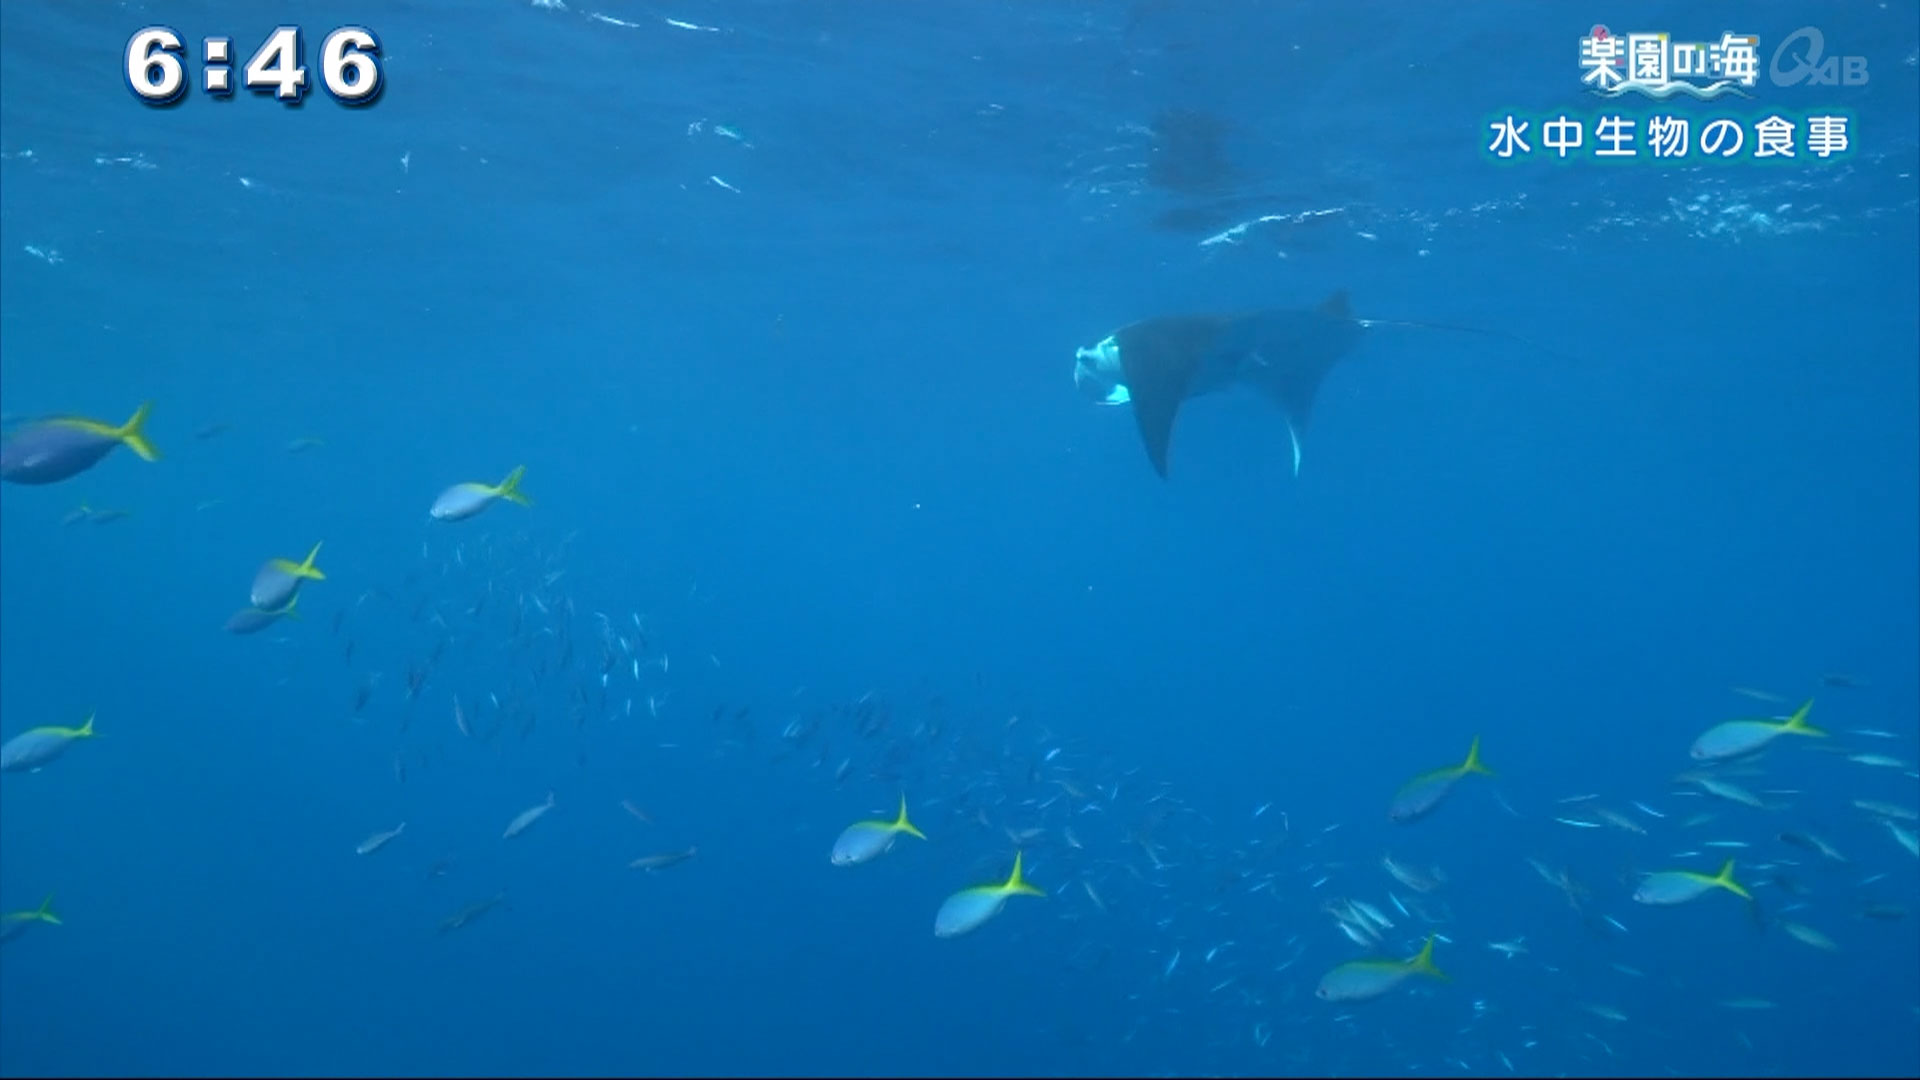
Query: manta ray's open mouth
{"points": [[1095, 374]]}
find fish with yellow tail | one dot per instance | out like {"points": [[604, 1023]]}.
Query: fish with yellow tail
{"points": [[1680, 886], [252, 620], [1364, 980], [279, 579], [967, 909], [33, 748], [59, 447], [1418, 796], [15, 923], [866, 840], [1738, 738], [462, 501]]}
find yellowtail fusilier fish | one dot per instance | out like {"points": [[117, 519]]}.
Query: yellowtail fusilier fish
{"points": [[279, 579], [1417, 798], [967, 909], [15, 923], [462, 501], [252, 620], [51, 450], [1680, 886], [864, 840], [1363, 980], [32, 749], [1738, 738]]}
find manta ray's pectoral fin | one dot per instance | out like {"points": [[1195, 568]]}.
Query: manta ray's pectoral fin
{"points": [[1292, 391], [1293, 362], [1159, 358]]}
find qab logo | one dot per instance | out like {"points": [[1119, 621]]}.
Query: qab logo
{"points": [[1804, 52]]}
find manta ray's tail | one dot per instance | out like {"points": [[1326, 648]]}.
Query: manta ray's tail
{"points": [[1455, 328]]}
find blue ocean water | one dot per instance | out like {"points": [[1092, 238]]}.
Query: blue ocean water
{"points": [[776, 303]]}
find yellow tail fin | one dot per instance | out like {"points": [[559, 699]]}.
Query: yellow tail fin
{"points": [[288, 612], [45, 914], [1473, 764], [1017, 885], [1724, 879], [1797, 723], [1422, 963], [306, 569], [85, 731], [134, 433], [901, 824], [509, 488]]}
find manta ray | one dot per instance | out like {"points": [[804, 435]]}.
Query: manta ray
{"points": [[1284, 353]]}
